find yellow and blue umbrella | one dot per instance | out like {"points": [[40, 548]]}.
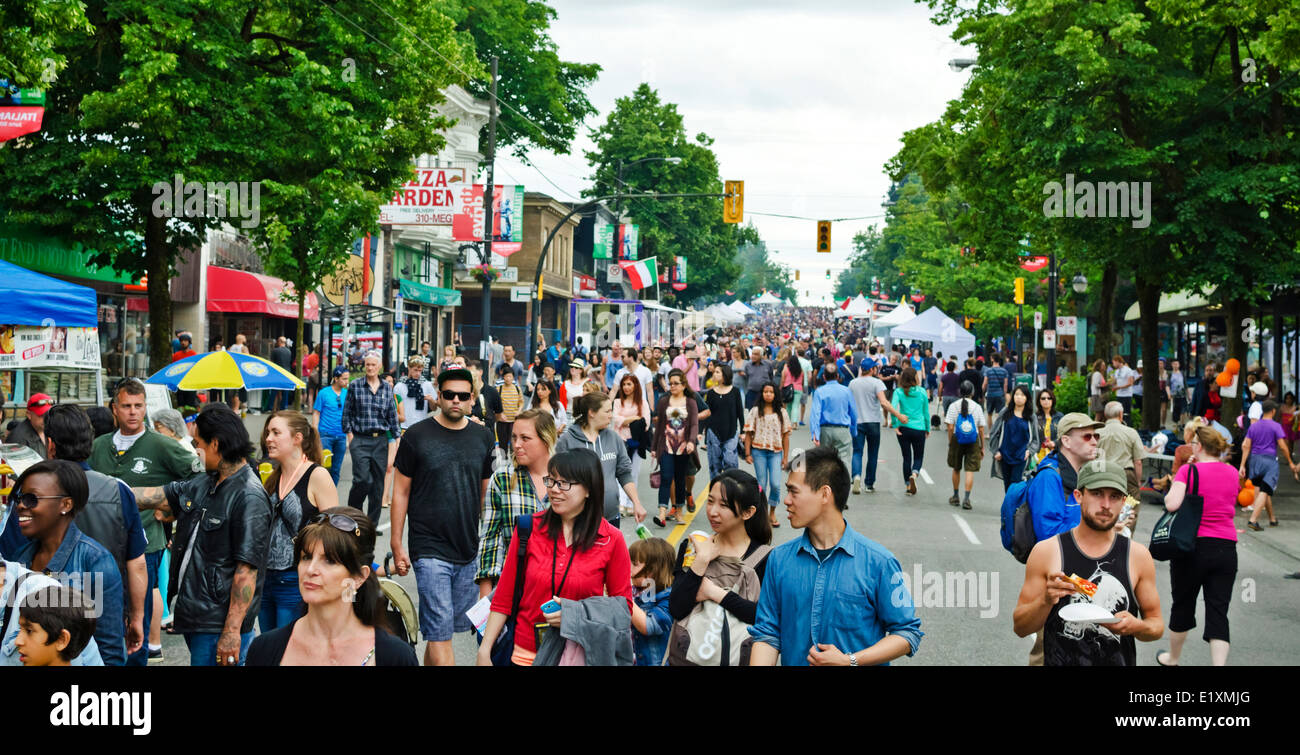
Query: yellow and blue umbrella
{"points": [[222, 369]]}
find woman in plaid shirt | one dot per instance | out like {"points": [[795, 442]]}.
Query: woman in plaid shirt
{"points": [[514, 491]]}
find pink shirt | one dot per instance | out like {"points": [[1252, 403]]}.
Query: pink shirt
{"points": [[1217, 482], [623, 410], [692, 370]]}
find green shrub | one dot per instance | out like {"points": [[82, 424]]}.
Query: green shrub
{"points": [[1072, 394]]}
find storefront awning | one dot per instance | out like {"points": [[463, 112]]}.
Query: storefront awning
{"points": [[1175, 302], [426, 294], [241, 292]]}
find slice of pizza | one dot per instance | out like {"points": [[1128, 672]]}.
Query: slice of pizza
{"points": [[1082, 585]]}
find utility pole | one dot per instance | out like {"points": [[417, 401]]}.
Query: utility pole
{"points": [[1051, 316], [488, 190]]}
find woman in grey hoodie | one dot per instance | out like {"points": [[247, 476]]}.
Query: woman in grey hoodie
{"points": [[590, 429]]}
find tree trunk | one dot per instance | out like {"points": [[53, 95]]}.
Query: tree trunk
{"points": [[1106, 312], [1148, 304], [157, 265]]}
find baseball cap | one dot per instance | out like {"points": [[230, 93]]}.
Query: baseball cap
{"points": [[39, 404], [1259, 389], [579, 363], [458, 373], [1078, 421], [339, 371], [1102, 474]]}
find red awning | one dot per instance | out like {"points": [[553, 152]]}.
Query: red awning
{"points": [[237, 291]]}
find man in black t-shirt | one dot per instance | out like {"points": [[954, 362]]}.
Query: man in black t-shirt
{"points": [[443, 466], [975, 377]]}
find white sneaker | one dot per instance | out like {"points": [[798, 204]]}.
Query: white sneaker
{"points": [[857, 485]]}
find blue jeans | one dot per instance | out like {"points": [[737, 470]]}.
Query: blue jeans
{"points": [[722, 454], [337, 445], [151, 563], [281, 600], [869, 436], [203, 647], [767, 468]]}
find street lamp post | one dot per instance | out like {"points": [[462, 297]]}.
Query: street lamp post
{"points": [[619, 188], [1052, 275]]}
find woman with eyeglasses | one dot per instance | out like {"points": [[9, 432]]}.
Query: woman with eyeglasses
{"points": [[299, 488], [344, 624], [573, 553], [514, 491], [676, 427], [1048, 421], [53, 493]]}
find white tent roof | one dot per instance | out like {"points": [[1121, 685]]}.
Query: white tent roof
{"points": [[901, 314], [725, 314], [768, 298], [741, 308], [940, 329], [858, 307]]}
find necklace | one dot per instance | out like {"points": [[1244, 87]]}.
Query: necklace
{"points": [[297, 472]]}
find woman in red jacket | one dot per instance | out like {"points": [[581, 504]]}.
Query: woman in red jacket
{"points": [[573, 553]]}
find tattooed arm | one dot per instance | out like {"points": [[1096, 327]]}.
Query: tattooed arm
{"points": [[241, 597], [148, 499]]}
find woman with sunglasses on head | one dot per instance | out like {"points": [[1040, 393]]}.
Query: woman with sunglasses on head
{"points": [[573, 553], [53, 493], [1014, 438], [299, 488], [344, 624]]}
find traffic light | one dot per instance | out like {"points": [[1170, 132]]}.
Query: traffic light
{"points": [[824, 237], [796, 274], [733, 205], [828, 274], [1020, 290]]}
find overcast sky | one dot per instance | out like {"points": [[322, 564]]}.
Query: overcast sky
{"points": [[806, 101]]}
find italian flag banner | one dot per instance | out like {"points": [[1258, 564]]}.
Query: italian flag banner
{"points": [[640, 273]]}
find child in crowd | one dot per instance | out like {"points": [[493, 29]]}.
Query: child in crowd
{"points": [[652, 575], [54, 625]]}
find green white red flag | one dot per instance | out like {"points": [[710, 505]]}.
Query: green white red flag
{"points": [[640, 273]]}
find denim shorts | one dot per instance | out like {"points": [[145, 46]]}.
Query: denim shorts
{"points": [[447, 591]]}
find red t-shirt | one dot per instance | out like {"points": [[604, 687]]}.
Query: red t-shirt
{"points": [[182, 354], [310, 363], [602, 569]]}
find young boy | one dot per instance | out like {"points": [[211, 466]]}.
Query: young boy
{"points": [[54, 625]]}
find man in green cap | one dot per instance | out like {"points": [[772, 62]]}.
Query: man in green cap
{"points": [[1091, 564]]}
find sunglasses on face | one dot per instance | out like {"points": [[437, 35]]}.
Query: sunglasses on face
{"points": [[30, 501], [1089, 436], [558, 484], [456, 395]]}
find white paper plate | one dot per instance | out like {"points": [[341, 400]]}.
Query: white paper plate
{"points": [[1087, 613]]}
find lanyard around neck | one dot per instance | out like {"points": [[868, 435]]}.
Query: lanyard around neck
{"points": [[555, 592]]}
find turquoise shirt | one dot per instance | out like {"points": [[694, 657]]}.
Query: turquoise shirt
{"points": [[916, 407]]}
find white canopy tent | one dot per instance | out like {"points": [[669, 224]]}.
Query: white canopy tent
{"points": [[857, 308], [742, 309], [724, 314], [768, 299], [901, 314], [938, 328]]}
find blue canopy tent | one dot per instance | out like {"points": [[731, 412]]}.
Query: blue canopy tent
{"points": [[28, 298]]}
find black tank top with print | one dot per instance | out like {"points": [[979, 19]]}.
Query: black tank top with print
{"points": [[1067, 643]]}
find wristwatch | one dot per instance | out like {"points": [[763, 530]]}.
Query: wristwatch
{"points": [[853, 659]]}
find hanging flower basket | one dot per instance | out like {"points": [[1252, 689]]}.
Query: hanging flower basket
{"points": [[485, 273]]}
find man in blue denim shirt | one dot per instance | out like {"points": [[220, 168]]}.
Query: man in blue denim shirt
{"points": [[831, 597]]}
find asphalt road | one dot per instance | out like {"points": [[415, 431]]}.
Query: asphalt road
{"points": [[969, 584]]}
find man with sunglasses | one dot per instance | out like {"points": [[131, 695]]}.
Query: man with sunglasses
{"points": [[1050, 492], [370, 421], [31, 431], [443, 466]]}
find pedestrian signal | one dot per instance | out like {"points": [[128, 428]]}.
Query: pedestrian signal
{"points": [[733, 204], [824, 237]]}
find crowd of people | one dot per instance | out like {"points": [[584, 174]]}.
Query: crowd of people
{"points": [[507, 485]]}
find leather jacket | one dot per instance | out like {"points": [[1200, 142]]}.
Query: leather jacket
{"points": [[227, 524]]}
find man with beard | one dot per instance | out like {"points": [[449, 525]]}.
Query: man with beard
{"points": [[1121, 572], [442, 471]]}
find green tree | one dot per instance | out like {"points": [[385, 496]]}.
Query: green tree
{"points": [[221, 91], [642, 125], [532, 79], [759, 273], [30, 33]]}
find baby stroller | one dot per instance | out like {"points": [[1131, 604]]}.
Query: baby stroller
{"points": [[403, 619]]}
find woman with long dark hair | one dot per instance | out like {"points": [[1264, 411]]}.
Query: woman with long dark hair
{"points": [[630, 405], [792, 376], [593, 414], [1048, 421], [1014, 438], [676, 427], [767, 439], [344, 624], [913, 402], [547, 399], [726, 416], [573, 553]]}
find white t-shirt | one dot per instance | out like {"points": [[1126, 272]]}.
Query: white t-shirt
{"points": [[1122, 376], [123, 443], [412, 414], [572, 392], [972, 407], [644, 375], [1097, 380]]}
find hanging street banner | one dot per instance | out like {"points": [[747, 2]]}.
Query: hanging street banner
{"points": [[27, 346], [21, 111], [639, 274], [507, 223], [603, 243], [679, 271], [629, 241], [433, 197]]}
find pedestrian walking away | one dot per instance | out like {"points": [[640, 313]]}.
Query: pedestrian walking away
{"points": [[869, 400], [914, 406], [327, 419], [966, 430]]}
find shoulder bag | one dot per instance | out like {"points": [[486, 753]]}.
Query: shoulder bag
{"points": [[504, 646], [1174, 535]]}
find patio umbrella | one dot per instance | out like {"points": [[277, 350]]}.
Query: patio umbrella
{"points": [[222, 369]]}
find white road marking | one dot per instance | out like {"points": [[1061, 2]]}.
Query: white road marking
{"points": [[926, 476], [382, 527], [965, 528]]}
